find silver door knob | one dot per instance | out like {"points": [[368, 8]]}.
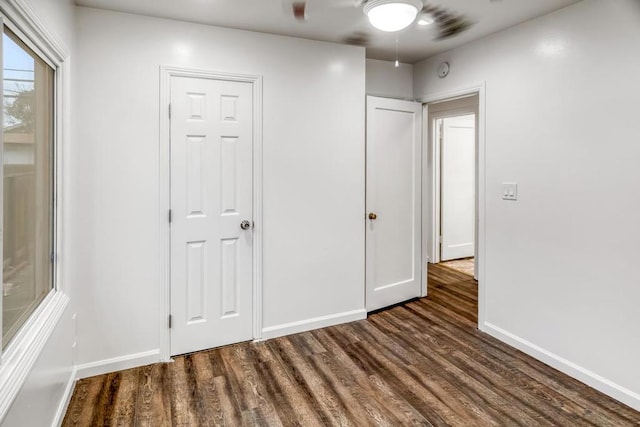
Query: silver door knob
{"points": [[245, 225]]}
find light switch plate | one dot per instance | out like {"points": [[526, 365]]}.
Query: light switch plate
{"points": [[509, 191]]}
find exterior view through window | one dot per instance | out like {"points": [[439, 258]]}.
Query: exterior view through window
{"points": [[27, 202]]}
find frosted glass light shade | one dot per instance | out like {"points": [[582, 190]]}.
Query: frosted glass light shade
{"points": [[392, 15]]}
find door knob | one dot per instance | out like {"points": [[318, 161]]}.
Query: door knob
{"points": [[245, 225], [372, 216]]}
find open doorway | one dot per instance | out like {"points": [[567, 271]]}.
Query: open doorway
{"points": [[452, 141]]}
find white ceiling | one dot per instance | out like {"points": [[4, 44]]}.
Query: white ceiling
{"points": [[334, 20]]}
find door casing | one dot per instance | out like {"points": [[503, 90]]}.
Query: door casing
{"points": [[429, 181], [434, 162], [166, 72]]}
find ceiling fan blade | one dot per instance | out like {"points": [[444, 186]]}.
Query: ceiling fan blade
{"points": [[453, 28], [448, 23], [357, 38], [299, 8], [296, 9]]}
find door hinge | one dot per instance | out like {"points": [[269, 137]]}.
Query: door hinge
{"points": [[169, 110], [52, 257], [170, 321], [440, 239], [170, 215]]}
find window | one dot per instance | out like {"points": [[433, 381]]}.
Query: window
{"points": [[27, 186]]}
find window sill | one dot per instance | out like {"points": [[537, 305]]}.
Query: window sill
{"points": [[23, 351]]}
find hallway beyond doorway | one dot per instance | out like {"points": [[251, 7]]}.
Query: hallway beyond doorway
{"points": [[464, 265]]}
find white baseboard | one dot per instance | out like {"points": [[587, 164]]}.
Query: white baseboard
{"points": [[592, 379], [66, 398], [118, 363], [315, 323]]}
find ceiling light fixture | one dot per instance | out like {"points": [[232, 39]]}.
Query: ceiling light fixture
{"points": [[392, 15]]}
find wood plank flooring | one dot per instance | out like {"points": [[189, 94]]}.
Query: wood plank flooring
{"points": [[421, 363]]}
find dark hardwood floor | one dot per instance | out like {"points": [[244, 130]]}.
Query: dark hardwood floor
{"points": [[421, 363]]}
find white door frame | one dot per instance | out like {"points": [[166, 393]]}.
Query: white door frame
{"points": [[166, 72], [436, 190], [429, 182]]}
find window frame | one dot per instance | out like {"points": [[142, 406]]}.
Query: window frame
{"points": [[52, 183], [21, 353]]}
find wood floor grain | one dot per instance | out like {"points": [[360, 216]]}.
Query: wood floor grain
{"points": [[423, 363]]}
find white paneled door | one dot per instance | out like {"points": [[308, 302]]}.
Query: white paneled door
{"points": [[211, 205], [393, 248], [458, 187]]}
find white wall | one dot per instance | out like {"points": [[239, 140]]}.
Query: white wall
{"points": [[44, 394], [313, 148], [384, 79], [561, 267]]}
